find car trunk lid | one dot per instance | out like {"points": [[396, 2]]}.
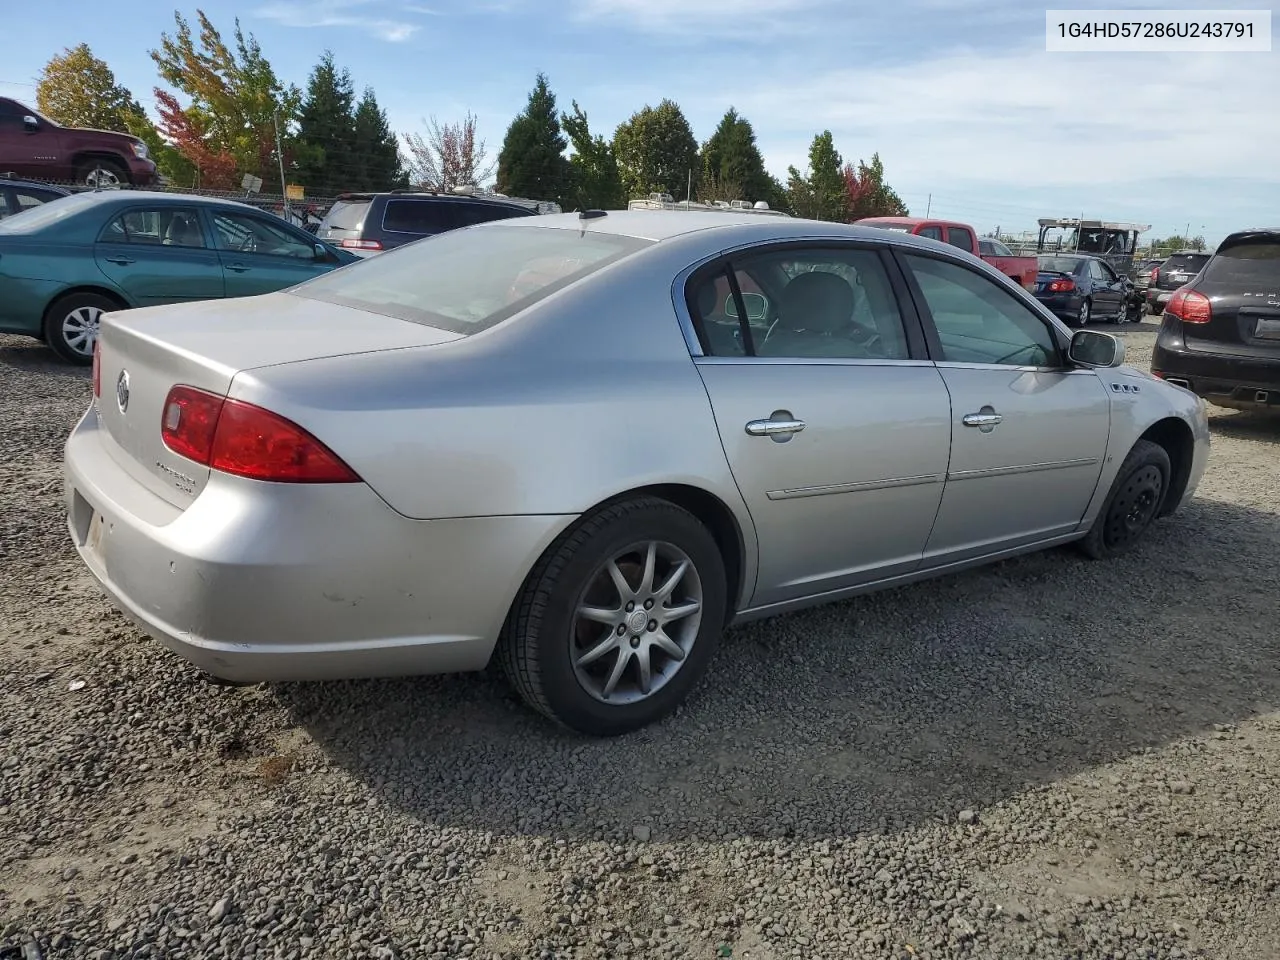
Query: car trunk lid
{"points": [[143, 353], [1242, 282]]}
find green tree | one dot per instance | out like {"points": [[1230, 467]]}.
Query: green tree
{"points": [[235, 97], [656, 151], [326, 157], [378, 164], [821, 193], [78, 89], [531, 163], [732, 165], [867, 195], [595, 181]]}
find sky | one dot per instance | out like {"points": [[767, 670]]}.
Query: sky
{"points": [[972, 119]]}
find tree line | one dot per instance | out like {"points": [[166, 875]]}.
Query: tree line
{"points": [[224, 110]]}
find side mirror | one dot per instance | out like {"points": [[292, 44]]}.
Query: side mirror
{"points": [[757, 306], [30, 123], [1097, 350], [321, 251]]}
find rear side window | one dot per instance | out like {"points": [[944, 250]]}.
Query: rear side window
{"points": [[933, 233], [960, 237], [465, 281], [1246, 262], [419, 216], [475, 211], [346, 215]]}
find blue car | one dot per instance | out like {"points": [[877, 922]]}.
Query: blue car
{"points": [[1081, 289]]}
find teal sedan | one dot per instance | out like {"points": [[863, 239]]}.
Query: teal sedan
{"points": [[66, 263]]}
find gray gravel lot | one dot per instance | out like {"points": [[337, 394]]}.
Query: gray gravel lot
{"points": [[1047, 758]]}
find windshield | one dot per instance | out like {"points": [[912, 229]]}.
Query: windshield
{"points": [[37, 218], [1057, 264], [467, 280], [1248, 262]]}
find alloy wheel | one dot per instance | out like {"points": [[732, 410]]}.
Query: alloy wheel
{"points": [[80, 329], [636, 622]]}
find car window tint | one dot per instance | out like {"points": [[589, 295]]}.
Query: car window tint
{"points": [[420, 216], [168, 226], [715, 312], [1255, 260], [960, 237], [978, 321], [933, 233], [28, 199], [480, 211], [245, 233], [811, 303], [5, 208], [1096, 271]]}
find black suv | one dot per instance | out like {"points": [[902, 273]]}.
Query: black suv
{"points": [[1176, 271], [1220, 337], [18, 195], [367, 223]]}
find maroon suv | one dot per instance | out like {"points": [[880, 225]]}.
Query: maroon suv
{"points": [[33, 146]]}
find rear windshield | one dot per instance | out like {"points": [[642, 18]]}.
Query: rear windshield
{"points": [[467, 280], [1057, 264], [1191, 262], [345, 215], [39, 217], [1250, 261]]}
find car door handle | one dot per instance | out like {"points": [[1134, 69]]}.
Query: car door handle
{"points": [[237, 267], [773, 428], [122, 261], [982, 419]]}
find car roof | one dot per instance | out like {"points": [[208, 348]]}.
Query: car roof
{"points": [[729, 227], [427, 195], [160, 198]]}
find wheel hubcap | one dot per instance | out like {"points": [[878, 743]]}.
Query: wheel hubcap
{"points": [[80, 329], [100, 177], [1084, 313], [636, 622], [1135, 507]]}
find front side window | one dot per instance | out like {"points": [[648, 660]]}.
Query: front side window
{"points": [[465, 281], [933, 233], [802, 303], [978, 321], [960, 237], [246, 233]]}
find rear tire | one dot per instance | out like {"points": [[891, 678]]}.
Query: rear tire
{"points": [[1084, 313], [71, 325], [1133, 504], [551, 651]]}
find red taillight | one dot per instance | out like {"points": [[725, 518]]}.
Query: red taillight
{"points": [[245, 440], [1190, 306], [1061, 286], [97, 367], [362, 244], [1155, 275]]}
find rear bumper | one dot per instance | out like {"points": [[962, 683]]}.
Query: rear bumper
{"points": [[261, 581], [1064, 306], [1228, 381]]}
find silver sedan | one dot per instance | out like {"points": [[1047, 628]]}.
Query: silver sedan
{"points": [[585, 444]]}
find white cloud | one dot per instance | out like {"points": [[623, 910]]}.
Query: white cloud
{"points": [[340, 13]]}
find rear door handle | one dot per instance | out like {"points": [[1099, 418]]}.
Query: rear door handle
{"points": [[122, 261], [773, 428], [237, 267], [982, 419]]}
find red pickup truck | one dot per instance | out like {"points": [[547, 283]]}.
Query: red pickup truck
{"points": [[1021, 270], [34, 146]]}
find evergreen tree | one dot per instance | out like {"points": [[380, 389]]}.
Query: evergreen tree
{"points": [[594, 178], [821, 193], [379, 165], [327, 161], [732, 164], [531, 163], [656, 151]]}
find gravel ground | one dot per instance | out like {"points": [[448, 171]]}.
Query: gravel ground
{"points": [[1047, 758]]}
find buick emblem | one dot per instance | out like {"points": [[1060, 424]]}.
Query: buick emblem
{"points": [[122, 391]]}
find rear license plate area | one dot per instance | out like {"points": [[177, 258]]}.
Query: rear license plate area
{"points": [[1267, 328]]}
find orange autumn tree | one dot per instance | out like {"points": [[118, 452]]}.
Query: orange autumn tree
{"points": [[188, 132]]}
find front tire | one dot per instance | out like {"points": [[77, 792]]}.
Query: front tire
{"points": [[619, 618], [71, 325], [1133, 504]]}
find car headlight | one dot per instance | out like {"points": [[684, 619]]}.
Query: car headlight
{"points": [[139, 149]]}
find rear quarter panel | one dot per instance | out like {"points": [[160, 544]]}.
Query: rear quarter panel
{"points": [[34, 272]]}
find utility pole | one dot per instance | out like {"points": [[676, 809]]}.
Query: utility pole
{"points": [[284, 190], [928, 206], [688, 197]]}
